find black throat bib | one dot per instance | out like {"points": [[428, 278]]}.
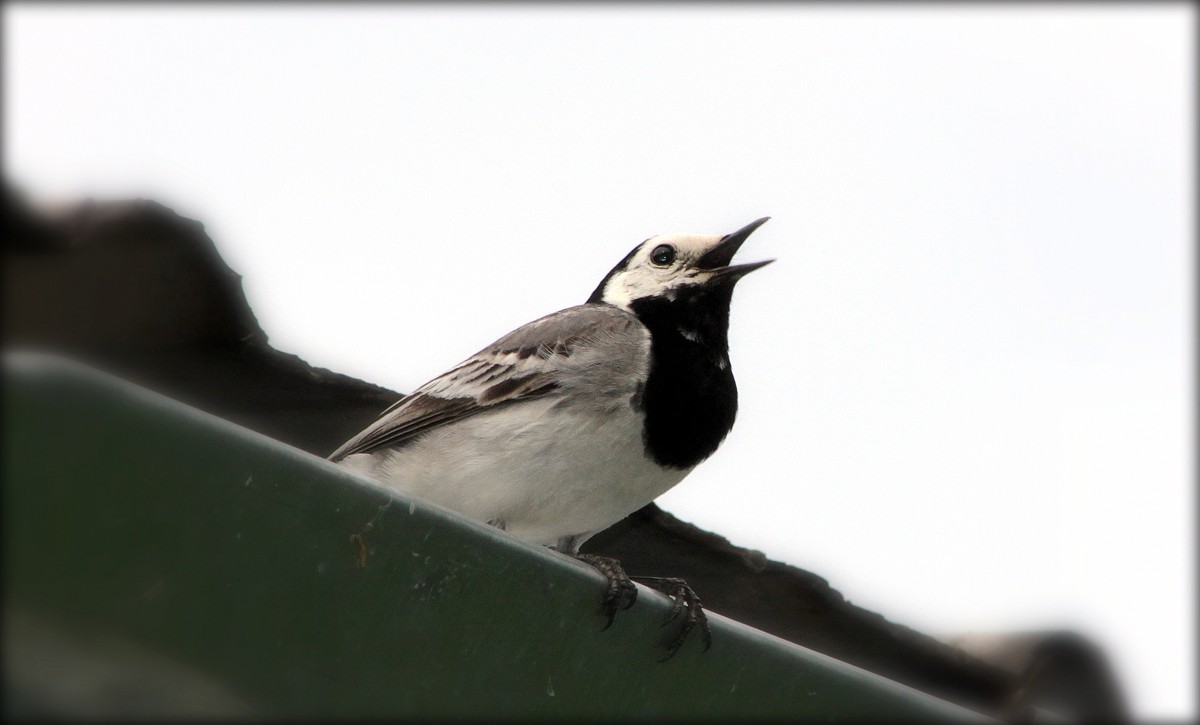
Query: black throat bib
{"points": [[690, 400]]}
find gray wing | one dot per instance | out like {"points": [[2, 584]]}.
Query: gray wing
{"points": [[593, 342]]}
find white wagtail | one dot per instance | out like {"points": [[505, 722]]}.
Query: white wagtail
{"points": [[568, 424]]}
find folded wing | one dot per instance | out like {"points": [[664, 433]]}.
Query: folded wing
{"points": [[539, 359]]}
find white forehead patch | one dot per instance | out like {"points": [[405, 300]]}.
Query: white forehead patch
{"points": [[692, 245], [641, 278]]}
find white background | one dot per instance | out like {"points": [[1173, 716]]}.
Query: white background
{"points": [[966, 382]]}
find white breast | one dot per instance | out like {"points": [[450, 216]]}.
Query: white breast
{"points": [[546, 468]]}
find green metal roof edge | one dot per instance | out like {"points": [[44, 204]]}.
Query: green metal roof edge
{"points": [[212, 570]]}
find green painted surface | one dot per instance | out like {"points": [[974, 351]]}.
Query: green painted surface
{"points": [[180, 555]]}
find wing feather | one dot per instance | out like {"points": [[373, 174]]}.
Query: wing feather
{"points": [[528, 363]]}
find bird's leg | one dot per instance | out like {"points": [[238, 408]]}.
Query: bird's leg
{"points": [[620, 587], [682, 596]]}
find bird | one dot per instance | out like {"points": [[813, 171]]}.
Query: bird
{"points": [[570, 423]]}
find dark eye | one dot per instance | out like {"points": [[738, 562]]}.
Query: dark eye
{"points": [[663, 255]]}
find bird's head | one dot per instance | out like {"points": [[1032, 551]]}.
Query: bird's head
{"points": [[687, 269]]}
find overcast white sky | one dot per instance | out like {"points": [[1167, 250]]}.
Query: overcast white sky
{"points": [[965, 385]]}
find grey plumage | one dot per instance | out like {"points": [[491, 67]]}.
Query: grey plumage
{"points": [[593, 349], [569, 423], [544, 432]]}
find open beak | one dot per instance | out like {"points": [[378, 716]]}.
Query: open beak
{"points": [[717, 259]]}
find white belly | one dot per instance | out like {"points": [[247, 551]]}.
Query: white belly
{"points": [[544, 469]]}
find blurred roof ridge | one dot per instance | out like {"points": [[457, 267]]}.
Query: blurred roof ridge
{"points": [[134, 288]]}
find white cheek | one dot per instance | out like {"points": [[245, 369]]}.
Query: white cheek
{"points": [[623, 289], [631, 286], [617, 296]]}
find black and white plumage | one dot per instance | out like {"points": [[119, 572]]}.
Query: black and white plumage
{"points": [[536, 434], [571, 422], [568, 424]]}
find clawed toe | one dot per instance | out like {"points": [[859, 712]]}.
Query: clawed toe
{"points": [[622, 593], [621, 588], [683, 597]]}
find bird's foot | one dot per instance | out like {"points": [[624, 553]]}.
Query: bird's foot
{"points": [[622, 593], [620, 587], [682, 597]]}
